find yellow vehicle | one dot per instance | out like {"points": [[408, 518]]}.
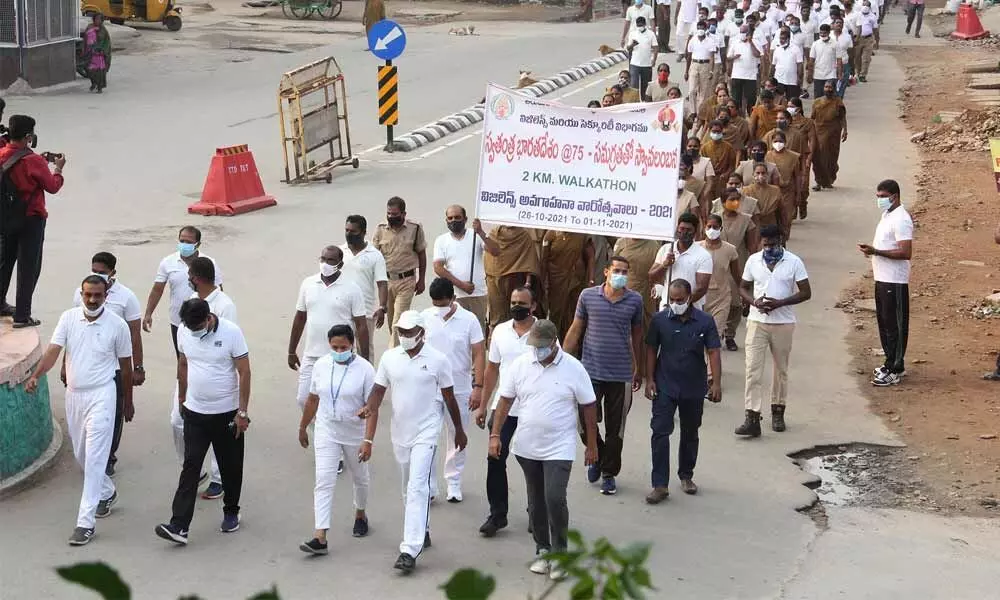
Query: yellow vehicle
{"points": [[151, 11]]}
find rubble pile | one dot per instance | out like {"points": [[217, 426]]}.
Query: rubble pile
{"points": [[990, 41], [970, 130]]}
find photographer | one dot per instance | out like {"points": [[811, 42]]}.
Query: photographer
{"points": [[26, 179]]}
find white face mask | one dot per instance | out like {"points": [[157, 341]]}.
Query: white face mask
{"points": [[779, 146], [701, 33], [443, 310], [680, 184], [865, 10], [679, 309], [93, 313], [792, 110], [328, 270], [743, 37], [715, 136], [642, 29], [409, 343], [713, 234]]}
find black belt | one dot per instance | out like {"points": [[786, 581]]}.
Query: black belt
{"points": [[700, 62], [403, 275], [867, 36]]}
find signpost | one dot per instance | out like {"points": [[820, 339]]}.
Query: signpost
{"points": [[386, 40]]}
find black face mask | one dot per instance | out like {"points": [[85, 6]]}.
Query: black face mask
{"points": [[354, 239], [394, 221], [828, 94], [520, 313], [456, 226], [757, 156], [687, 237], [782, 125]]}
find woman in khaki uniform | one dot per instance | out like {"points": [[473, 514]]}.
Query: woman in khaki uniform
{"points": [[768, 197], [640, 254], [725, 272], [788, 163], [739, 229], [567, 262]]}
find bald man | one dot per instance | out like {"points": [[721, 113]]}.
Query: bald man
{"points": [[459, 258], [325, 299]]}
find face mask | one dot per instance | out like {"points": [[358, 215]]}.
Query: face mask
{"points": [[757, 156], [409, 343], [443, 311], [520, 313], [638, 2], [679, 308], [712, 28], [782, 124], [739, 21], [825, 38], [701, 33], [795, 28], [793, 110], [199, 333], [759, 179], [680, 184], [354, 239], [185, 249], [713, 234], [342, 357], [883, 203], [328, 270], [828, 93], [743, 37], [687, 237], [715, 136], [662, 77], [773, 254], [456, 226], [865, 10], [394, 221], [732, 205], [642, 29], [93, 313], [617, 281], [817, 6], [724, 120], [106, 278], [543, 353], [779, 146]]}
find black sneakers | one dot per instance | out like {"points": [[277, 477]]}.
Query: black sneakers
{"points": [[81, 536], [492, 526], [172, 533], [104, 506], [314, 546], [405, 563]]}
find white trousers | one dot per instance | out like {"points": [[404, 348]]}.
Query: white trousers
{"points": [[177, 424], [454, 460], [415, 464], [328, 456], [305, 379], [684, 32], [90, 418]]}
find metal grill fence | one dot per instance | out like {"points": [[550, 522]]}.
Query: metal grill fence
{"points": [[8, 23], [48, 20]]}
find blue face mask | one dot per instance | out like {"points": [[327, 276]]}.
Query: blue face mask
{"points": [[773, 254], [617, 280], [712, 29], [342, 357], [883, 203], [543, 353], [185, 249]]}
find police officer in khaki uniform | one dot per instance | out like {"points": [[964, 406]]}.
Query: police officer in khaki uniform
{"points": [[404, 247]]}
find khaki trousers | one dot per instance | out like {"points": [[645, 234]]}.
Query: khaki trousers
{"points": [[478, 306], [399, 300], [864, 49], [699, 84], [764, 338]]}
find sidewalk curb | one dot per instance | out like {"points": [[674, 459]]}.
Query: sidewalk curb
{"points": [[24, 479], [474, 114]]}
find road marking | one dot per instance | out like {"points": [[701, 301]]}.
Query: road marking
{"points": [[372, 149], [432, 152], [461, 139]]}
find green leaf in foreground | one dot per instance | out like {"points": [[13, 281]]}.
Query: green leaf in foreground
{"points": [[469, 584], [97, 577]]}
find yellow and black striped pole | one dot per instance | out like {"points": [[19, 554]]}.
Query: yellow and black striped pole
{"points": [[388, 100]]}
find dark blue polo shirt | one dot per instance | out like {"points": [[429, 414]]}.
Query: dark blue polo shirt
{"points": [[680, 365]]}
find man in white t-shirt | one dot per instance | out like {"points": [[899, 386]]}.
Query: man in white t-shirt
{"points": [[97, 344], [774, 280], [685, 260], [173, 271], [364, 265], [891, 251], [786, 65], [422, 389], [826, 62], [744, 61], [325, 299], [213, 375], [508, 341], [124, 303], [455, 332], [553, 390], [459, 256], [638, 9], [702, 53], [685, 17], [643, 47]]}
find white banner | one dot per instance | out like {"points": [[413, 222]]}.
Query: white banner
{"points": [[610, 171]]}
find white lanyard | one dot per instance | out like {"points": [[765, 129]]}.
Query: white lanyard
{"points": [[340, 384]]}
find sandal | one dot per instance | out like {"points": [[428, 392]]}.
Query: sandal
{"points": [[28, 323], [994, 376]]}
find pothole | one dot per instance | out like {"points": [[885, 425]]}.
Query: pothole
{"points": [[866, 475]]}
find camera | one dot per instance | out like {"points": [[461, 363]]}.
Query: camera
{"points": [[51, 156]]}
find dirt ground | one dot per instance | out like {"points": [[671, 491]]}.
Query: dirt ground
{"points": [[944, 410]]}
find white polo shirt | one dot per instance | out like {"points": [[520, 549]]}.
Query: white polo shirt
{"points": [[778, 284], [808, 30], [744, 67], [786, 61], [342, 391], [689, 12], [220, 304], [687, 265], [844, 42], [174, 272], [705, 48], [634, 12], [417, 405], [895, 226], [93, 348], [505, 347], [120, 300], [458, 259], [365, 269], [325, 306], [867, 24], [454, 338], [550, 397], [213, 386], [824, 56], [642, 53]]}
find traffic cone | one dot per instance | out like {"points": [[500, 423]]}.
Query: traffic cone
{"points": [[967, 24], [233, 185]]}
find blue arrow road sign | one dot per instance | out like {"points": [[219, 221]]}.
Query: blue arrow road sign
{"points": [[386, 40]]}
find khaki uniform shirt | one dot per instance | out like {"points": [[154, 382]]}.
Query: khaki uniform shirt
{"points": [[400, 247]]}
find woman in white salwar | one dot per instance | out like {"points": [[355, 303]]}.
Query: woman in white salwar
{"points": [[341, 382]]}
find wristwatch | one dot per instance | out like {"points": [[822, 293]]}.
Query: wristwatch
{"points": [[139, 369], [241, 414]]}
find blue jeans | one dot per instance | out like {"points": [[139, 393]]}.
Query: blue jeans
{"points": [[496, 471], [640, 78], [662, 424], [842, 84]]}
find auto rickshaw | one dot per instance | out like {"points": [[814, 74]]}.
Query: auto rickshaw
{"points": [[151, 11]]}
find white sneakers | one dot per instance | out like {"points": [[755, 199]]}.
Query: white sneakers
{"points": [[454, 493], [543, 567]]}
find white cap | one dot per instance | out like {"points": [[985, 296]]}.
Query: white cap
{"points": [[410, 319]]}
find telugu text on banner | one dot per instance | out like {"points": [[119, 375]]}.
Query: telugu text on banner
{"points": [[610, 171]]}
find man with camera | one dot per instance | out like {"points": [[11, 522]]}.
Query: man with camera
{"points": [[25, 180]]}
